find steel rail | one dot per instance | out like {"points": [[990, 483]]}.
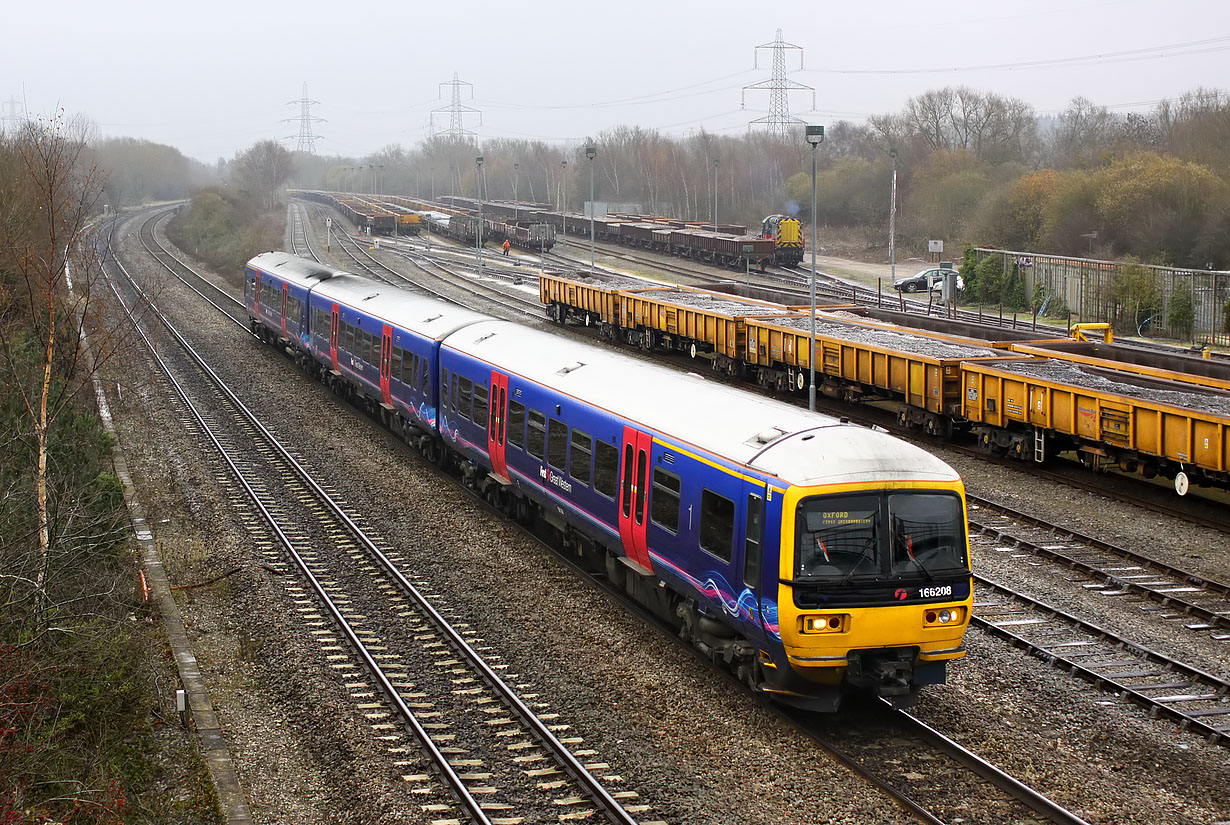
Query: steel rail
{"points": [[540, 730], [1113, 682]]}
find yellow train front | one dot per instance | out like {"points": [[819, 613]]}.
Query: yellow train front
{"points": [[874, 589], [787, 233]]}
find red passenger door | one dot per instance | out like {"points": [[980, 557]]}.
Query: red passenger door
{"points": [[333, 327], [256, 295], [496, 426], [386, 364], [634, 496], [285, 303]]}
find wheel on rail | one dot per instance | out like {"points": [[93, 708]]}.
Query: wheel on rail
{"points": [[692, 350]]}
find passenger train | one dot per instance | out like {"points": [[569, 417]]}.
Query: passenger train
{"points": [[813, 557]]}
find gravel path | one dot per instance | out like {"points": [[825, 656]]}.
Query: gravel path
{"points": [[695, 749]]}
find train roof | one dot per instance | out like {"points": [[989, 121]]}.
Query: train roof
{"points": [[796, 445], [429, 317], [299, 271]]}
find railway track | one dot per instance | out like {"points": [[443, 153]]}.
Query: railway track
{"points": [[466, 744], [1115, 571], [1198, 701], [900, 745], [449, 274], [225, 302], [300, 228]]}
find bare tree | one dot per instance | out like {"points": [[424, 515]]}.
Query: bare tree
{"points": [[1084, 134], [264, 169], [50, 289]]}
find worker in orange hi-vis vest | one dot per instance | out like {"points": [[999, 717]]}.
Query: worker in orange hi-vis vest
{"points": [[507, 245]]}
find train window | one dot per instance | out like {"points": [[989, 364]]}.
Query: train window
{"points": [[451, 383], [838, 536], [717, 524], [606, 469], [500, 405], [642, 486], [425, 383], [582, 445], [465, 388], [349, 339], [928, 535], [752, 541], [369, 348], [516, 423], [480, 405], [664, 504], [536, 439], [395, 369], [626, 495], [557, 444]]}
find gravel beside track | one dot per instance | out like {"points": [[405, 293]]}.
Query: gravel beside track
{"points": [[695, 749]]}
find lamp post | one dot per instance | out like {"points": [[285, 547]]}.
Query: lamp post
{"points": [[591, 152], [892, 221], [715, 185], [564, 200], [1092, 236], [815, 136], [516, 198], [478, 235]]}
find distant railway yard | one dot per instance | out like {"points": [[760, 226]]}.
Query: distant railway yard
{"points": [[405, 636]]}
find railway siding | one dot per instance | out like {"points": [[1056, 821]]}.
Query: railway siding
{"points": [[1110, 407]]}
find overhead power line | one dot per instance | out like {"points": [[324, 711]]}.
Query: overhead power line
{"points": [[1213, 44]]}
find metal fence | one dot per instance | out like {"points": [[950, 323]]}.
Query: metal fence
{"points": [[1087, 286]]}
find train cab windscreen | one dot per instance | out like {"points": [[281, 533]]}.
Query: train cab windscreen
{"points": [[891, 536]]}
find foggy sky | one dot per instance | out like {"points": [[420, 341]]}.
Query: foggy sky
{"points": [[213, 78]]}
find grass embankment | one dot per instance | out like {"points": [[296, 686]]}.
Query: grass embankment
{"points": [[226, 230], [86, 695]]}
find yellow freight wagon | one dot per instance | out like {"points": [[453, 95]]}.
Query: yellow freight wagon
{"points": [[1039, 407], [575, 296], [699, 322], [1170, 367], [863, 362]]}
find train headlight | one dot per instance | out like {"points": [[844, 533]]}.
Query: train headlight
{"points": [[825, 624], [944, 616]]}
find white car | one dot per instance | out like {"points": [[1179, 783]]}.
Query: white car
{"points": [[918, 282]]}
